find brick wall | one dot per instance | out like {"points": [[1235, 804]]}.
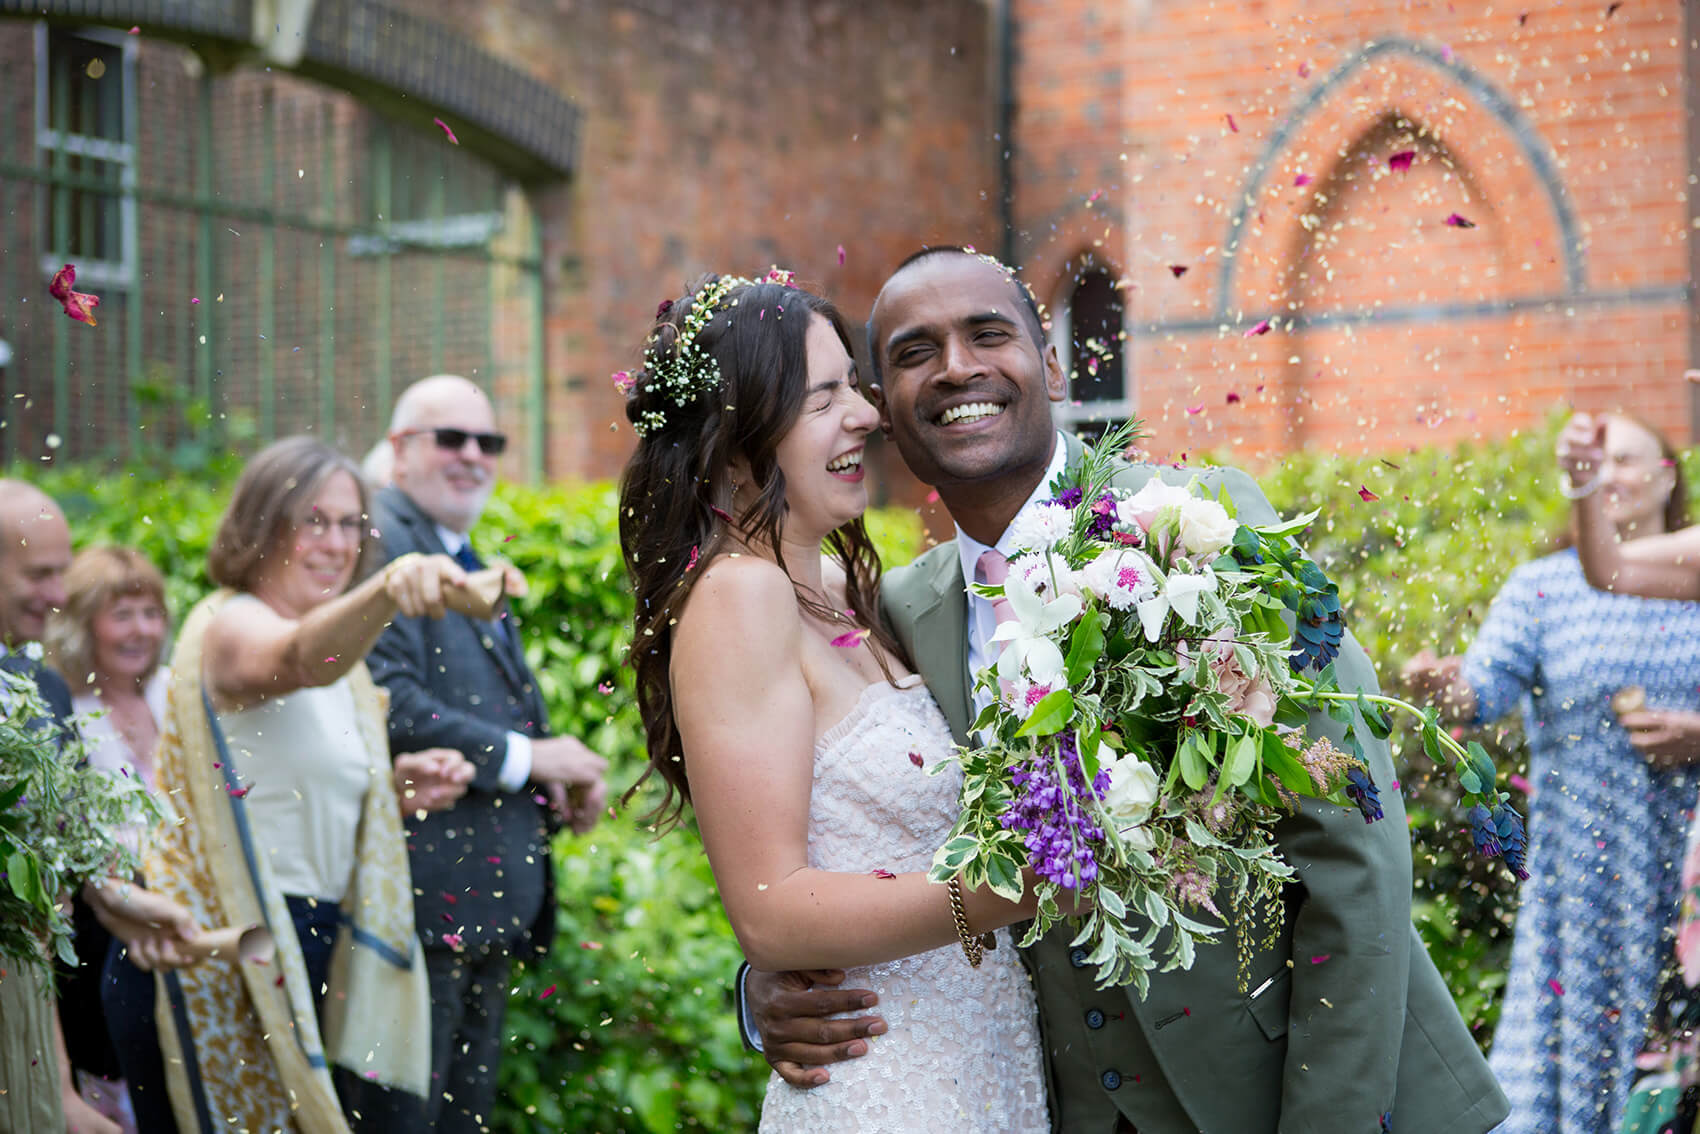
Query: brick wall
{"points": [[732, 136], [1249, 144]]}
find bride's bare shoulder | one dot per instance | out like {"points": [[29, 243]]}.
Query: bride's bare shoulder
{"points": [[739, 594]]}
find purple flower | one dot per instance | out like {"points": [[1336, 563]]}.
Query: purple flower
{"points": [[1512, 841], [1061, 835], [1103, 517], [1483, 832], [1363, 792]]}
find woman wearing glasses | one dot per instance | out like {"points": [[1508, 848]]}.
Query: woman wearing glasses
{"points": [[274, 750]]}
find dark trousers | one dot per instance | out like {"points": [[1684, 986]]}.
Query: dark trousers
{"points": [[468, 996], [127, 994]]}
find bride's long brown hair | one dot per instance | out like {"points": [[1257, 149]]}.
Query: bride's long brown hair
{"points": [[676, 490]]}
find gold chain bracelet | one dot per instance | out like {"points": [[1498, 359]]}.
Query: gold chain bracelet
{"points": [[972, 946]]}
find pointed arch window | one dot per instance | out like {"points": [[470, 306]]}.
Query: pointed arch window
{"points": [[1090, 332]]}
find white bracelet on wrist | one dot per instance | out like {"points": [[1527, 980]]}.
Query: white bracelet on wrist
{"points": [[1567, 488]]}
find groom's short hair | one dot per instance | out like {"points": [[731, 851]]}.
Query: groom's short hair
{"points": [[1029, 304]]}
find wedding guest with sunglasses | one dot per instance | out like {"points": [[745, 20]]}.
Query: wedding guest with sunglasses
{"points": [[484, 887]]}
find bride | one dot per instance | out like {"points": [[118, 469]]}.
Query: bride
{"points": [[780, 709]]}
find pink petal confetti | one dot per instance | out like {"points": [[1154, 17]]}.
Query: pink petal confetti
{"points": [[1610, 8], [1520, 783], [1096, 193], [881, 872], [1231, 124], [137, 30], [721, 512], [78, 305], [1304, 70], [546, 993], [693, 560], [1301, 180], [933, 496], [1233, 398], [851, 639], [452, 940], [1558, 989], [493, 859], [1446, 52], [1177, 270], [591, 945], [915, 759], [605, 687], [449, 898], [1320, 957], [624, 382], [1261, 329], [453, 141], [1458, 220], [240, 792], [841, 255], [194, 299], [1401, 161], [1366, 495], [1195, 409]]}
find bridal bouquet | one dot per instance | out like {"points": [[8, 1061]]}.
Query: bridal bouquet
{"points": [[1145, 735], [61, 823]]}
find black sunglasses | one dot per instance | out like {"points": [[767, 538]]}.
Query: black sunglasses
{"points": [[490, 444]]}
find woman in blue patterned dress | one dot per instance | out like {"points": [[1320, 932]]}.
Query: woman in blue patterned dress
{"points": [[1606, 819]]}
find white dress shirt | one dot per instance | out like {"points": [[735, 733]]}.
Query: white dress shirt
{"points": [[516, 765]]}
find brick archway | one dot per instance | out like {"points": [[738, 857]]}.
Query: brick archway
{"points": [[1449, 103]]}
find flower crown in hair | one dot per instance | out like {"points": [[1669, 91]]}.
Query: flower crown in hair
{"points": [[688, 373]]}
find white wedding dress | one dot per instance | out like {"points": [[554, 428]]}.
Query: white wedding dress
{"points": [[962, 1053]]}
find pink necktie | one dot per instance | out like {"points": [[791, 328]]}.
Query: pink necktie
{"points": [[992, 569]]}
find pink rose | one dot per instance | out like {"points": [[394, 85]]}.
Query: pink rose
{"points": [[1249, 695]]}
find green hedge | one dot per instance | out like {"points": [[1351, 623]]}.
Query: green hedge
{"points": [[627, 1025]]}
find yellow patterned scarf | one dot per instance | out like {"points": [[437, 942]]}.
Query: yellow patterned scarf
{"points": [[241, 1042]]}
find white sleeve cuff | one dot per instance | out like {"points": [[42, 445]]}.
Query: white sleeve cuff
{"points": [[516, 765]]}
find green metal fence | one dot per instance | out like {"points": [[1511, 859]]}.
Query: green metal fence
{"points": [[271, 256]]}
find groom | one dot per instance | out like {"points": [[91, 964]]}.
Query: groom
{"points": [[1346, 1025]]}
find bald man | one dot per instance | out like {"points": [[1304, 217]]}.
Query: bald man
{"points": [[37, 1090], [481, 875]]}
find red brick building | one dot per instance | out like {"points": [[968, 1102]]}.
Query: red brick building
{"points": [[278, 228], [1295, 166]]}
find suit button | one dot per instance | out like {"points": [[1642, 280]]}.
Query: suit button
{"points": [[1094, 1018], [1077, 958], [1111, 1080]]}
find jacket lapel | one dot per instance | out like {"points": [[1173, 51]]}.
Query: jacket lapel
{"points": [[941, 644]]}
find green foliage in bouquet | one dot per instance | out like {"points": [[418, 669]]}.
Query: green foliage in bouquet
{"points": [[1142, 731], [61, 823]]}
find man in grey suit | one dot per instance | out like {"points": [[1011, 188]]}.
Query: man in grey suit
{"points": [[1345, 1025], [481, 869]]}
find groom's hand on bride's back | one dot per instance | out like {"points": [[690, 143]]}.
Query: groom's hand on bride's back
{"points": [[793, 1013]]}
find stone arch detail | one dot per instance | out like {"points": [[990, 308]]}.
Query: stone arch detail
{"points": [[400, 62], [1426, 79]]}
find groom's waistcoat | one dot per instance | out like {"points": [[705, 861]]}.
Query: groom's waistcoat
{"points": [[1344, 1018]]}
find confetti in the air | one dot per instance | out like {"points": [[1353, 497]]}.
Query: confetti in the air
{"points": [[1401, 161], [453, 141], [78, 305], [1262, 328], [1458, 220], [1366, 495]]}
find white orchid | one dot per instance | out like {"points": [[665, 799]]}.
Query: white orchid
{"points": [[1181, 594], [1027, 641]]}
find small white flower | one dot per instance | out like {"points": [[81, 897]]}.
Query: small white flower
{"points": [[1121, 578], [1205, 526], [1040, 525], [1180, 593], [34, 651], [1028, 637]]}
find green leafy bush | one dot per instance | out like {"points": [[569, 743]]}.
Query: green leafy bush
{"points": [[627, 1025]]}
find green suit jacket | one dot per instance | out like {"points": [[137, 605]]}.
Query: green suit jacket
{"points": [[1346, 1018]]}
